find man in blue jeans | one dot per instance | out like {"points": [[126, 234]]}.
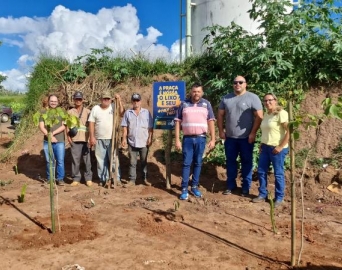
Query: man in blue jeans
{"points": [[196, 117], [241, 111]]}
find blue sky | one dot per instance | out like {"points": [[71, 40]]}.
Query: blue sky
{"points": [[72, 27]]}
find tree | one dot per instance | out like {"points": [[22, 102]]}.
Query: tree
{"points": [[52, 117]]}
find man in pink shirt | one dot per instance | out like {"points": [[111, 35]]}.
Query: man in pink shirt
{"points": [[196, 117]]}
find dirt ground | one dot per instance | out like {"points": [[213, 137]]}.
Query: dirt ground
{"points": [[145, 227]]}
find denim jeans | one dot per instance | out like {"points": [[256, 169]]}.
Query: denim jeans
{"points": [[103, 149], [265, 159], [233, 148], [58, 150], [133, 159], [193, 149]]}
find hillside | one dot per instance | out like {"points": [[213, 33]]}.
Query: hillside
{"points": [[138, 227]]}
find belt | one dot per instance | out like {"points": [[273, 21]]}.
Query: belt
{"points": [[267, 145], [195, 136]]}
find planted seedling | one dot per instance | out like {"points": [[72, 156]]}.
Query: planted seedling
{"points": [[21, 198]]}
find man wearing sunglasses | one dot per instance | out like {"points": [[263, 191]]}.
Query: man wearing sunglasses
{"points": [[137, 124], [241, 111], [79, 142], [100, 134]]}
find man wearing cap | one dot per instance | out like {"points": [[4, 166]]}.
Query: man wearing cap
{"points": [[100, 134], [137, 126], [78, 139]]}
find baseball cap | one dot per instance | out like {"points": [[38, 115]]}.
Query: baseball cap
{"points": [[78, 94], [106, 95], [136, 96]]}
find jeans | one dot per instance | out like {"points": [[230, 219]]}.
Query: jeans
{"points": [[80, 150], [58, 150], [233, 148], [265, 159], [193, 149], [103, 149], [133, 159]]}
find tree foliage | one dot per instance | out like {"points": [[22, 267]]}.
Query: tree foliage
{"points": [[292, 50]]}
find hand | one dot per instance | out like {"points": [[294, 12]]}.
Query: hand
{"points": [[251, 137], [178, 145], [277, 150], [53, 139], [149, 142], [92, 141], [117, 96], [222, 135], [69, 140], [211, 144]]}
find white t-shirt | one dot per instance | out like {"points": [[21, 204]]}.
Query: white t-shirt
{"points": [[103, 119]]}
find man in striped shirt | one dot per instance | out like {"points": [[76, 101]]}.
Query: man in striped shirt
{"points": [[195, 116]]}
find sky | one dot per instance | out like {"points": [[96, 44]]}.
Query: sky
{"points": [[70, 28]]}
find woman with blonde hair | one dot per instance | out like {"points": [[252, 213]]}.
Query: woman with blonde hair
{"points": [[273, 148]]}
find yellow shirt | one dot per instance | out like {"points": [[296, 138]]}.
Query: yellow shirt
{"points": [[272, 130]]}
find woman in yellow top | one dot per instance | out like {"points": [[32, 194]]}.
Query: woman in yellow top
{"points": [[273, 148]]}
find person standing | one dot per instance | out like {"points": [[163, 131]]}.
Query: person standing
{"points": [[273, 149], [195, 116], [58, 145], [79, 142], [137, 124], [241, 111], [100, 134]]}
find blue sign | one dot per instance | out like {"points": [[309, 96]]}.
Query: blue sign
{"points": [[167, 97]]}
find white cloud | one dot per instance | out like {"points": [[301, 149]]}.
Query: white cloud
{"points": [[16, 80], [70, 34]]}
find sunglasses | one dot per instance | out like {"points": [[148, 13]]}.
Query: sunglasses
{"points": [[135, 100], [79, 99], [269, 100], [106, 98], [238, 82]]}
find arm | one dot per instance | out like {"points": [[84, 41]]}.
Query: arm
{"points": [[178, 144], [150, 135], [92, 140], [124, 137], [258, 115], [285, 140], [43, 128], [220, 117], [212, 141]]}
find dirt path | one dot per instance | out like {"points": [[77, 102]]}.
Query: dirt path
{"points": [[138, 227]]}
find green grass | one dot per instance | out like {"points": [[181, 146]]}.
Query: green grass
{"points": [[8, 99]]}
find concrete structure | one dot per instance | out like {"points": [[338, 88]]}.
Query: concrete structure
{"points": [[206, 13]]}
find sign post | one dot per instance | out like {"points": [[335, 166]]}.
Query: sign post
{"points": [[167, 97]]}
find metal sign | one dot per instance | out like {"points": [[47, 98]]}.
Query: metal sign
{"points": [[167, 97]]}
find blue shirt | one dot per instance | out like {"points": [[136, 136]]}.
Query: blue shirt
{"points": [[137, 126]]}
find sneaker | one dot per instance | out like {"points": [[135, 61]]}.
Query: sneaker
{"points": [[277, 203], [74, 184], [60, 183], [184, 195], [102, 183], [196, 192], [147, 183], [227, 192], [258, 199], [89, 183]]}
